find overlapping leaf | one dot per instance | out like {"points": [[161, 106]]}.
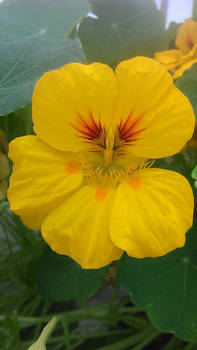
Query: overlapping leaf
{"points": [[166, 287], [60, 278], [33, 41], [123, 29]]}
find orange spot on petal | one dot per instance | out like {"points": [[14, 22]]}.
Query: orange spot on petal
{"points": [[100, 194], [71, 168], [135, 182]]}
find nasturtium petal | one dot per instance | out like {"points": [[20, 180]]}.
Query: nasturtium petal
{"points": [[33, 221], [186, 35], [151, 213], [79, 228], [146, 90], [62, 96], [179, 72], [169, 58], [41, 176]]}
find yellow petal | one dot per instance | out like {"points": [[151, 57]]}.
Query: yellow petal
{"points": [[164, 116], [151, 213], [177, 74], [187, 35], [169, 59], [62, 96], [33, 221], [79, 228], [41, 176]]}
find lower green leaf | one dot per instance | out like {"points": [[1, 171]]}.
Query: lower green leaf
{"points": [[61, 278], [166, 287]]}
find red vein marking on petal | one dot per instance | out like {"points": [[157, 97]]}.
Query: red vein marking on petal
{"points": [[128, 130], [90, 130]]}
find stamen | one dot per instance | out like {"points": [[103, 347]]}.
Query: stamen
{"points": [[113, 175]]}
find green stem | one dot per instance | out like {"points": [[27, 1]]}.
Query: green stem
{"points": [[133, 321], [115, 293], [77, 344], [102, 334], [172, 344], [46, 332], [45, 308], [147, 341], [97, 313], [126, 342], [66, 332], [82, 337]]}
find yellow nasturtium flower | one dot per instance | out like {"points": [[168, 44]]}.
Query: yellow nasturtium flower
{"points": [[185, 55], [85, 179]]}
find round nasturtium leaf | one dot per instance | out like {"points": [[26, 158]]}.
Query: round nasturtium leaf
{"points": [[122, 29], [187, 83], [166, 287], [32, 41], [61, 278]]}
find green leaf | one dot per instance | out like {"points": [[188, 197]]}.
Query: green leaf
{"points": [[194, 175], [61, 278], [171, 34], [33, 41], [17, 123], [166, 287], [123, 29], [194, 10], [187, 83]]}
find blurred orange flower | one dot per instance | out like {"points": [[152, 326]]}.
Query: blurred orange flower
{"points": [[185, 55]]}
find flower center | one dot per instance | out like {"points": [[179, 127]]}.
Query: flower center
{"points": [[107, 160], [107, 142], [111, 174]]}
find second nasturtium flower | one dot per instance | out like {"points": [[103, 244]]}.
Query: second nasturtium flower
{"points": [[85, 178], [185, 53]]}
